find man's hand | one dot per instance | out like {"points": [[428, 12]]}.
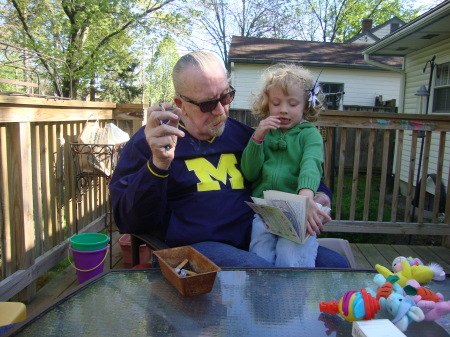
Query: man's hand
{"points": [[161, 132]]}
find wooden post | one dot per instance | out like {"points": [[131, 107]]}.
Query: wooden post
{"points": [[22, 222]]}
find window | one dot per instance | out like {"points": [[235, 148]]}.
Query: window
{"points": [[441, 93], [334, 94]]}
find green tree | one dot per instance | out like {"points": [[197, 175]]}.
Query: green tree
{"points": [[339, 20], [120, 86], [159, 86], [87, 34], [219, 20]]}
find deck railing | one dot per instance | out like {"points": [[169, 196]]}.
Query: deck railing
{"points": [[399, 151], [38, 209]]}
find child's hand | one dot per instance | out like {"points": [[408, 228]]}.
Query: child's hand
{"points": [[316, 218], [269, 123]]}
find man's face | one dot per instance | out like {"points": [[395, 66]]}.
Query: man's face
{"points": [[201, 86]]}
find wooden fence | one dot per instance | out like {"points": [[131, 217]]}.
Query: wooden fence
{"points": [[38, 210], [38, 189]]}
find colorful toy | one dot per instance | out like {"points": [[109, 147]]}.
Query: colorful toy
{"points": [[396, 265], [439, 274], [432, 304], [421, 274], [403, 309], [386, 285], [353, 306]]}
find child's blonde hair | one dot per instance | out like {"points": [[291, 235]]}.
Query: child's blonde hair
{"points": [[289, 77]]}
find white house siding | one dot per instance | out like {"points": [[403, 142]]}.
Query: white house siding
{"points": [[415, 77], [360, 86], [364, 39], [382, 32]]}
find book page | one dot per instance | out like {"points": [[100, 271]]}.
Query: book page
{"points": [[275, 221], [298, 205]]}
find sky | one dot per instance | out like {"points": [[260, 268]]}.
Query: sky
{"points": [[428, 3]]}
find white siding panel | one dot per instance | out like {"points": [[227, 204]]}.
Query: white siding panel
{"points": [[415, 77], [382, 32], [360, 86]]}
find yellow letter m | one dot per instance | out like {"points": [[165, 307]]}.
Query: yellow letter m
{"points": [[205, 172]]}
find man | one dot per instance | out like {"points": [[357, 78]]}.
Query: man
{"points": [[180, 174]]}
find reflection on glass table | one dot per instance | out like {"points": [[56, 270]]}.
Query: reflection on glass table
{"points": [[245, 302]]}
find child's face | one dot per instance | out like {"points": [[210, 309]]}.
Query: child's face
{"points": [[289, 108]]}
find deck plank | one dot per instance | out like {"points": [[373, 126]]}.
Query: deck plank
{"points": [[404, 250], [428, 256], [360, 259], [443, 254], [372, 254]]}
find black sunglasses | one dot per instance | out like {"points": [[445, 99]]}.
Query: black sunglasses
{"points": [[209, 106]]}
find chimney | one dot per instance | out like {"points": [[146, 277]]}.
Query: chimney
{"points": [[366, 25]]}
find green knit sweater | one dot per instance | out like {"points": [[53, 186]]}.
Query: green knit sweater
{"points": [[285, 162]]}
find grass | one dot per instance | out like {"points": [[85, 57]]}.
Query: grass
{"points": [[52, 273], [359, 209]]}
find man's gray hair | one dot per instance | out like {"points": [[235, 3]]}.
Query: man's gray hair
{"points": [[202, 60]]}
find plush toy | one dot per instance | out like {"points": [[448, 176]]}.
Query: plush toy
{"points": [[353, 306], [432, 304], [387, 285], [397, 266], [403, 309], [421, 274]]}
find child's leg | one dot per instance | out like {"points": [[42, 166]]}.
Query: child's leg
{"points": [[263, 242], [292, 254]]}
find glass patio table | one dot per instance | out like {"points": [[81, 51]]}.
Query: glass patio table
{"points": [[243, 302]]}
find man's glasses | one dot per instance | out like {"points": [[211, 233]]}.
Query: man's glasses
{"points": [[209, 106]]}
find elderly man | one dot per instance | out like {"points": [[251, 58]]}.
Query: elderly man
{"points": [[180, 174]]}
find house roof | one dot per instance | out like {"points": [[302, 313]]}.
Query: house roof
{"points": [[264, 50], [425, 30], [371, 33], [367, 33]]}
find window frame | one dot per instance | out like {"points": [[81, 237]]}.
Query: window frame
{"points": [[340, 98], [437, 86]]}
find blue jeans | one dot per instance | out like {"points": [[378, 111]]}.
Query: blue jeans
{"points": [[280, 251], [228, 256]]}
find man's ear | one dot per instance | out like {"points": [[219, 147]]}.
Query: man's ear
{"points": [[178, 101]]}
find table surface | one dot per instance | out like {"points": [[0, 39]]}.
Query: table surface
{"points": [[244, 302]]}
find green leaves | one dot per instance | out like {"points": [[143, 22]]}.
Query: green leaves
{"points": [[87, 34]]}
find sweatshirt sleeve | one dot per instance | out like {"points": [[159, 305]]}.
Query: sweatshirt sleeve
{"points": [[312, 159], [138, 190], [252, 160]]}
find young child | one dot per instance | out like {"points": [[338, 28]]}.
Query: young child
{"points": [[286, 154]]}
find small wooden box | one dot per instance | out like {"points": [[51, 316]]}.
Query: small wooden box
{"points": [[205, 269]]}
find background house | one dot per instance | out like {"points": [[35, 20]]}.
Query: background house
{"points": [[371, 35], [341, 67], [424, 43]]}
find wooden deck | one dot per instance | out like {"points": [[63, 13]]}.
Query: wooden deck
{"points": [[366, 256]]}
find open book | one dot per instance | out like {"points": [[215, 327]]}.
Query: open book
{"points": [[284, 214]]}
